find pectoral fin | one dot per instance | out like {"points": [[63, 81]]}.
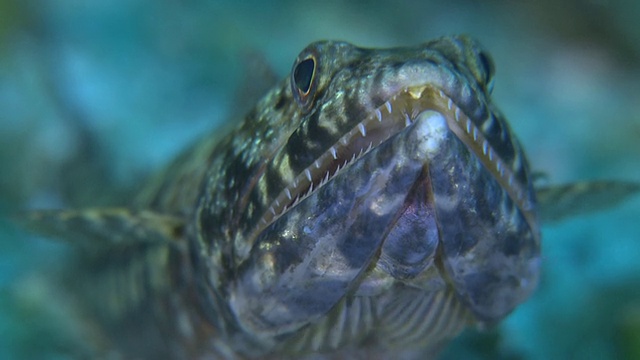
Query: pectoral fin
{"points": [[105, 227], [559, 202]]}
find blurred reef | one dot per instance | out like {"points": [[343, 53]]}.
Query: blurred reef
{"points": [[95, 96]]}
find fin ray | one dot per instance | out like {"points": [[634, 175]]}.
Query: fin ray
{"points": [[106, 227], [556, 203]]}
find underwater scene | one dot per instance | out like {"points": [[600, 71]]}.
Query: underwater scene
{"points": [[97, 97]]}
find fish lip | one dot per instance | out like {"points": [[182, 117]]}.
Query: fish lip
{"points": [[393, 116]]}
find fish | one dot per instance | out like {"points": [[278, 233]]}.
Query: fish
{"points": [[372, 204]]}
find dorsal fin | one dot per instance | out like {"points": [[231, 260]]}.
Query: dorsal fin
{"points": [[561, 201], [105, 227], [257, 79]]}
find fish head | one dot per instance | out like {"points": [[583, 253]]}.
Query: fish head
{"points": [[401, 165]]}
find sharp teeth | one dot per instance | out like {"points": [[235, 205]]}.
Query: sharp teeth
{"points": [[456, 113], [334, 153], [317, 164], [407, 120], [379, 115], [362, 129], [468, 126], [288, 193], [388, 105], [450, 104], [308, 174]]}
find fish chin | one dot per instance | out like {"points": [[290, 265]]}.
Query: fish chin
{"points": [[431, 127]]}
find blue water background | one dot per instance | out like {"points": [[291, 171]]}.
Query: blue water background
{"points": [[94, 96]]}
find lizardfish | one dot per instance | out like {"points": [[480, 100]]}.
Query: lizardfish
{"points": [[373, 204]]}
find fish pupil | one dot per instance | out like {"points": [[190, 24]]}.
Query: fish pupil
{"points": [[303, 74]]}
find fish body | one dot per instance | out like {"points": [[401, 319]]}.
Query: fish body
{"points": [[374, 202]]}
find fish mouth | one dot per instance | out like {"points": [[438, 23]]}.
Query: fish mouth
{"points": [[401, 111]]}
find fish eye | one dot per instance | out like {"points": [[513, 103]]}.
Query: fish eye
{"points": [[303, 79], [488, 68], [303, 74]]}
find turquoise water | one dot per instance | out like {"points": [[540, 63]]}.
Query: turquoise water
{"points": [[95, 97]]}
